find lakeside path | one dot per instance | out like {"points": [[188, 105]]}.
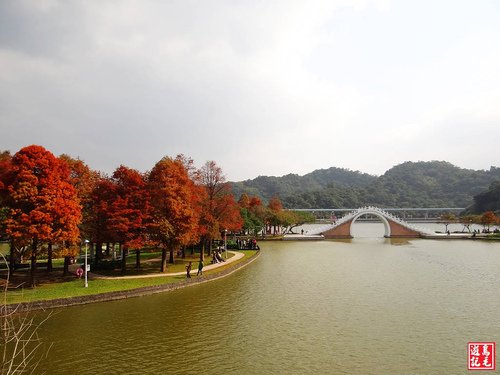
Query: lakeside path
{"points": [[236, 256], [137, 292]]}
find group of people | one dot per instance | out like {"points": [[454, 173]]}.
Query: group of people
{"points": [[244, 244], [247, 244], [217, 256], [190, 266]]}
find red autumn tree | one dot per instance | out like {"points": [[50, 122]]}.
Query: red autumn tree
{"points": [[43, 204], [275, 204], [129, 211], [5, 165], [488, 219], [218, 208], [273, 216], [81, 177], [253, 214], [230, 217], [244, 201], [67, 216], [5, 172], [98, 215], [192, 172], [84, 180], [174, 214], [257, 207]]}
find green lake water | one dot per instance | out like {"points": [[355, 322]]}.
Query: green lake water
{"points": [[364, 306]]}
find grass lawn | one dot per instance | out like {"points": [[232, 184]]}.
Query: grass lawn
{"points": [[151, 262], [75, 287], [494, 237], [248, 254], [4, 248]]}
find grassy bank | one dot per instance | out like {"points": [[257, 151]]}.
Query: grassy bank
{"points": [[4, 248], [493, 237], [75, 287], [151, 262]]}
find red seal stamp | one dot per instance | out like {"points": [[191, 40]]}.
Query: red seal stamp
{"points": [[481, 356]]}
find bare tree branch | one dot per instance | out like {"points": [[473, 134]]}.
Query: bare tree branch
{"points": [[19, 341]]}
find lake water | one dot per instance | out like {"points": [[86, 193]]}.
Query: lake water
{"points": [[364, 306]]}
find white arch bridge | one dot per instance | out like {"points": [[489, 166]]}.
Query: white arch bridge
{"points": [[394, 226]]}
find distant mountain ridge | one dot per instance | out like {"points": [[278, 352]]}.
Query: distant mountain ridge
{"points": [[268, 186], [410, 184]]}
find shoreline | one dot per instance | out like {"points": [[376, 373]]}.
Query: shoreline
{"points": [[123, 294], [437, 236]]}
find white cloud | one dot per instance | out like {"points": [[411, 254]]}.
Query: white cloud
{"points": [[262, 88]]}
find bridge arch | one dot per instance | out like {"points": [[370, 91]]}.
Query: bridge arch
{"points": [[382, 218], [394, 226]]}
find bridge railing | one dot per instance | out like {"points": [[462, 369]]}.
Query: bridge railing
{"points": [[338, 222], [367, 209], [399, 220]]}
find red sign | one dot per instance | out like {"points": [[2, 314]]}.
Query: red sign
{"points": [[481, 355]]}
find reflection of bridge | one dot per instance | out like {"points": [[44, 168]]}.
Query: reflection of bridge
{"points": [[394, 226]]}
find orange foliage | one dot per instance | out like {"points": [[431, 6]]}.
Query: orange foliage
{"points": [[219, 211], [275, 204], [98, 212], [244, 201], [43, 204], [173, 204], [230, 216], [129, 208]]}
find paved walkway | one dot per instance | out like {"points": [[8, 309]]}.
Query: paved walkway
{"points": [[94, 276]]}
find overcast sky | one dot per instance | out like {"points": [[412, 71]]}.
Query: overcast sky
{"points": [[261, 87]]}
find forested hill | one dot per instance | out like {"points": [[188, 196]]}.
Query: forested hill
{"points": [[411, 184], [266, 187]]}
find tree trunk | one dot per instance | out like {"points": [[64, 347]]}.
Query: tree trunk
{"points": [[209, 246], [49, 257], [107, 249], [192, 250], [163, 260], [12, 259], [98, 253], [138, 259], [33, 263], [66, 266], [183, 251], [202, 251], [171, 256], [124, 260]]}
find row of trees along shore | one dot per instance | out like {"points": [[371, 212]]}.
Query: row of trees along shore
{"points": [[49, 205], [487, 219]]}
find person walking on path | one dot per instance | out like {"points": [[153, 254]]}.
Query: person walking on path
{"points": [[200, 268], [188, 270]]}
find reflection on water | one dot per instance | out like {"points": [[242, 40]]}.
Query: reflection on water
{"points": [[397, 241], [369, 305]]}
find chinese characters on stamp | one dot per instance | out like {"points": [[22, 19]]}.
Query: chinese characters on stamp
{"points": [[481, 356]]}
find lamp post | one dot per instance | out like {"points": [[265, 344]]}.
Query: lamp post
{"points": [[86, 267], [225, 241]]}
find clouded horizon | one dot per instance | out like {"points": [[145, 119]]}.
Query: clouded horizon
{"points": [[261, 87]]}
